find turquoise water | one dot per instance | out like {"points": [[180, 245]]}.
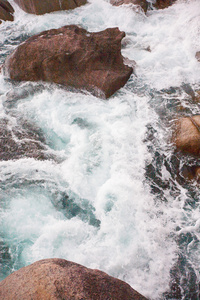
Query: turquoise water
{"points": [[109, 194]]}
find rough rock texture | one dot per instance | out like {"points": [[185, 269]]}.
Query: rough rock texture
{"points": [[40, 7], [74, 57], [6, 11], [187, 135], [198, 56], [142, 3], [191, 172], [197, 173], [20, 141], [197, 96], [61, 279], [161, 4]]}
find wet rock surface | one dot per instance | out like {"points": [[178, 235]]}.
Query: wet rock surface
{"points": [[198, 56], [73, 57], [62, 279], [191, 173], [6, 11], [187, 135], [161, 4], [21, 140], [39, 7], [142, 3]]}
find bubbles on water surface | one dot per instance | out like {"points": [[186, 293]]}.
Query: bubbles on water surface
{"points": [[165, 174], [31, 201]]}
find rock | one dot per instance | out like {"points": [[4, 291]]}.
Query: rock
{"points": [[198, 56], [193, 93], [197, 96], [191, 173], [161, 4], [6, 11], [148, 49], [40, 7], [20, 141], [73, 57], [187, 135], [142, 3], [62, 279], [189, 90], [197, 173]]}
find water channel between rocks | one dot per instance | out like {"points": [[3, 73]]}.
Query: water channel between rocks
{"points": [[102, 188]]}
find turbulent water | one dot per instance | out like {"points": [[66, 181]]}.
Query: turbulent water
{"points": [[109, 192]]}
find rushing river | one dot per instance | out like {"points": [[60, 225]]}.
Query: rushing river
{"points": [[109, 193]]}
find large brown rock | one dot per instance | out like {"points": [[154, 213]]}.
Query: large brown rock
{"points": [[40, 7], [61, 279], [161, 4], [142, 3], [6, 11], [187, 135], [74, 57]]}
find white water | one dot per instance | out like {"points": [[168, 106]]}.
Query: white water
{"points": [[115, 220]]}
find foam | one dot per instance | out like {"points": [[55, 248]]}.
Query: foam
{"points": [[103, 153]]}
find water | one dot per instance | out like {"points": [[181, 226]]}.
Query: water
{"points": [[105, 188]]}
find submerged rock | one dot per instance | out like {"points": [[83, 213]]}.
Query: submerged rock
{"points": [[62, 279], [142, 3], [198, 56], [40, 7], [197, 96], [20, 141], [6, 11], [187, 135], [191, 172], [73, 57], [161, 4]]}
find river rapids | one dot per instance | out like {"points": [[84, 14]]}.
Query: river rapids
{"points": [[107, 195]]}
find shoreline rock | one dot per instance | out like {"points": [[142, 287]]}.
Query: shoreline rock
{"points": [[73, 57], [61, 279]]}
